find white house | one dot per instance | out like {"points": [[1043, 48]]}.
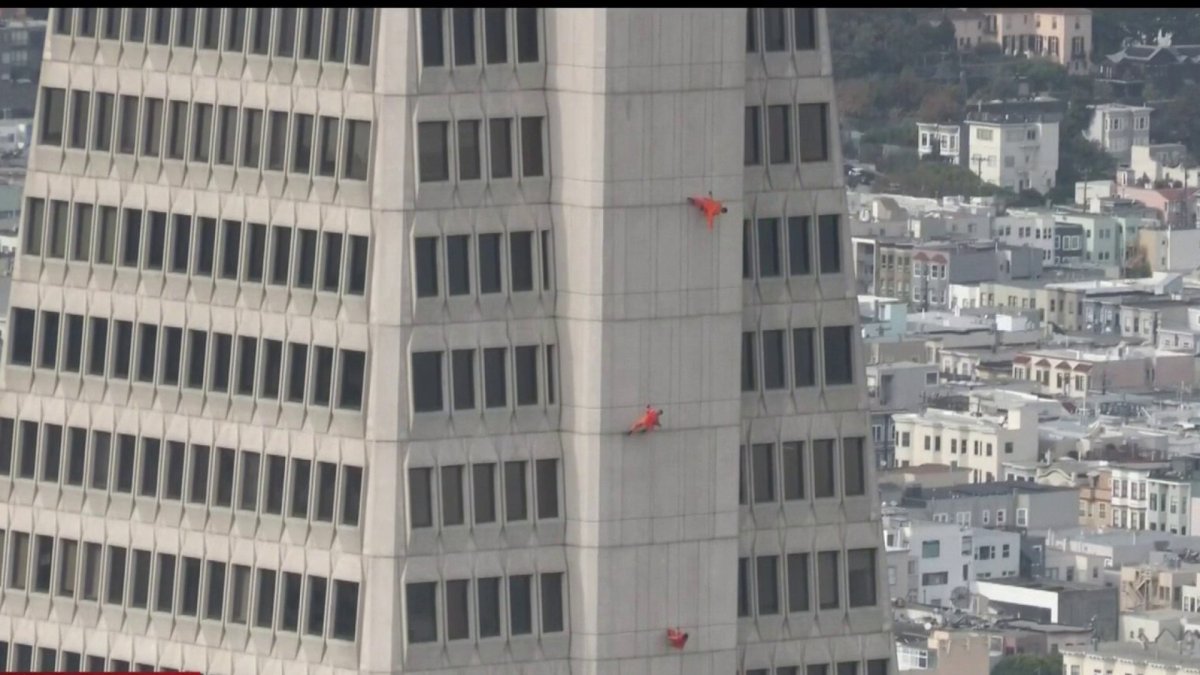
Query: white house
{"points": [[1118, 128], [1014, 151], [939, 140], [975, 441]]}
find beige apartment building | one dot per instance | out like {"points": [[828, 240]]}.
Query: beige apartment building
{"points": [[328, 325], [1063, 35], [1074, 372], [978, 442]]}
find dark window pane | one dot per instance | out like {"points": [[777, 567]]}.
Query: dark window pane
{"points": [[127, 125], [552, 602], [222, 358], [198, 484], [824, 483], [285, 32], [248, 492], [432, 49], [743, 581], [495, 24], [322, 378], [165, 593], [326, 491], [345, 608], [838, 343], [76, 452], [331, 258], [264, 605], [747, 249], [751, 30], [427, 381], [80, 113], [310, 34], [798, 246], [148, 480], [139, 594], [752, 148], [235, 29], [315, 621], [351, 494], [527, 375], [260, 30], [48, 356], [453, 499], [176, 457], [276, 139], [531, 146], [122, 349], [828, 580], [226, 134], [829, 240], [802, 357], [420, 497], [189, 587], [352, 374], [547, 488], [302, 139], [359, 260], [201, 131], [43, 559], [779, 128], [814, 132], [774, 29], [256, 252], [290, 619], [433, 151], [464, 36], [793, 470], [297, 370], [767, 579], [749, 368], [500, 138], [357, 147], [172, 355], [281, 254], [35, 215], [463, 373], [763, 472], [54, 105], [239, 594], [483, 480], [806, 28], [495, 381], [23, 321], [131, 238], [527, 35], [226, 460], [306, 258], [768, 247], [126, 457], [27, 460], [214, 603], [114, 590], [521, 260], [797, 573], [860, 576], [515, 498], [426, 264], [301, 487], [520, 604], [7, 427], [853, 467], [147, 352], [101, 442], [206, 247], [488, 592], [271, 369], [774, 371], [489, 263], [458, 602], [276, 468], [328, 145], [421, 610], [364, 33]]}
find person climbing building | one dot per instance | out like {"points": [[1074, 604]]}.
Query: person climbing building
{"points": [[648, 421], [710, 207]]}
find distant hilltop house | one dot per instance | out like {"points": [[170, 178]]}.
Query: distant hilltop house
{"points": [[1011, 150], [1062, 35], [1158, 61], [1118, 128]]}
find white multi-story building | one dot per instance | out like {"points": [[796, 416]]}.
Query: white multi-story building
{"points": [[981, 443], [1014, 152], [1118, 127], [939, 140], [938, 561], [1151, 499], [328, 324]]}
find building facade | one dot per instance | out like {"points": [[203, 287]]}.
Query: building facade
{"points": [[1118, 127], [1018, 152], [310, 372]]}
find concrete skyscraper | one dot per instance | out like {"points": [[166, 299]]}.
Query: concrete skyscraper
{"points": [[328, 324]]}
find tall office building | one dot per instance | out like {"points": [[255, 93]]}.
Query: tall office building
{"points": [[328, 325]]}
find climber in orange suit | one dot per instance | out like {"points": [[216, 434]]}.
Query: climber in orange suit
{"points": [[710, 207], [647, 422]]}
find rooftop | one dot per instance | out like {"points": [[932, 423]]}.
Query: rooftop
{"points": [[1171, 655], [990, 489], [1050, 585]]}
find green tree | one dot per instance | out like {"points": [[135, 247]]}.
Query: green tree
{"points": [[1029, 664], [942, 105]]}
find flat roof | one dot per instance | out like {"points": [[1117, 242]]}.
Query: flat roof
{"points": [[1171, 655], [1052, 585], [993, 488]]}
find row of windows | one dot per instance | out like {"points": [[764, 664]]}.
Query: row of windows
{"points": [[873, 667], [49, 660], [181, 585], [774, 584], [765, 240], [205, 133], [440, 497], [491, 371], [480, 144], [155, 241], [478, 36], [153, 354], [810, 122], [837, 346], [779, 472], [484, 609], [774, 29], [499, 262], [347, 34], [151, 468]]}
